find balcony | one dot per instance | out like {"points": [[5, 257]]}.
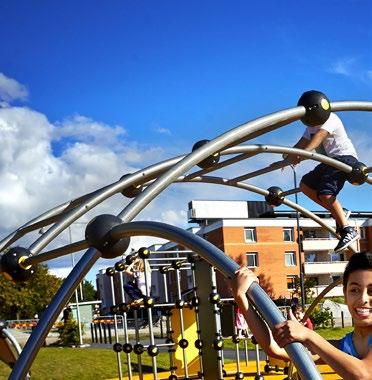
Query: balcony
{"points": [[335, 292], [319, 244], [324, 267]]}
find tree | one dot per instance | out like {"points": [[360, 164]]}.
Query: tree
{"points": [[89, 292], [24, 300]]}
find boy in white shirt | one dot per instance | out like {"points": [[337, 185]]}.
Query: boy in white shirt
{"points": [[324, 182]]}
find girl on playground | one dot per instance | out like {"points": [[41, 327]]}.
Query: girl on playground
{"points": [[350, 357], [140, 285]]}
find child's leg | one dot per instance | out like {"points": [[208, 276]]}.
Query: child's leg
{"points": [[329, 202]]}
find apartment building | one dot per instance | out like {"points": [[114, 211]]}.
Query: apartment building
{"points": [[254, 234], [264, 239]]}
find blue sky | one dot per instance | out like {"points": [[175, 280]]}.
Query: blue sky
{"points": [[107, 88]]}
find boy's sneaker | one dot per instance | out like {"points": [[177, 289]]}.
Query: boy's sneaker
{"points": [[348, 236], [347, 216]]}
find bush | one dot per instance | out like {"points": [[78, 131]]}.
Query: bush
{"points": [[322, 318], [68, 333]]}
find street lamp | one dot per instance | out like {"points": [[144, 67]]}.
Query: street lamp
{"points": [[299, 242]]}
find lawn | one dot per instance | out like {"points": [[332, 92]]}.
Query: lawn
{"points": [[57, 363]]}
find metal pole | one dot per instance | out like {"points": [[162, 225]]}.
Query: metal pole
{"points": [[299, 244], [76, 295]]}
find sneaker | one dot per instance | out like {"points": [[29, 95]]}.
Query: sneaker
{"points": [[347, 216], [348, 236]]}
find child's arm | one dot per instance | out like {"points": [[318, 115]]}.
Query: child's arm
{"points": [[261, 332], [347, 366], [128, 269], [316, 140]]}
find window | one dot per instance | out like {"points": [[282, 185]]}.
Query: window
{"points": [[250, 235], [290, 259], [252, 259], [337, 256], [288, 234], [291, 282], [362, 232]]}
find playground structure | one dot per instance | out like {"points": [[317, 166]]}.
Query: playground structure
{"points": [[108, 236]]}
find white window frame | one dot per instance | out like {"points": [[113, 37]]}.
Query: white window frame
{"points": [[293, 260], [252, 230], [255, 255], [291, 229]]}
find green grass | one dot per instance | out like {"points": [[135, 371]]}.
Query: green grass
{"points": [[57, 363], [54, 363], [335, 333]]}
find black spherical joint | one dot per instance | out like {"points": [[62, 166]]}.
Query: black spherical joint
{"points": [[13, 265], [318, 108], [138, 349], [148, 302], [117, 347], [218, 343], [97, 234], [164, 269], [235, 338], [195, 301], [131, 191], [120, 265], [144, 253], [115, 309], [127, 348], [180, 304], [110, 271], [358, 175], [130, 258], [177, 264], [183, 343], [199, 344], [275, 196], [209, 161], [172, 377], [153, 350], [239, 375], [124, 307], [214, 298]]}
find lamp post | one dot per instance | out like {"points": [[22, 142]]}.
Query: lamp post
{"points": [[76, 294], [299, 242]]}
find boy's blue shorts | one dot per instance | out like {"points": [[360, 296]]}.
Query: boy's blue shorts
{"points": [[327, 180]]}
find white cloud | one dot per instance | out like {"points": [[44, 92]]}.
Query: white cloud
{"points": [[343, 66], [83, 129], [351, 67], [163, 131], [11, 90]]}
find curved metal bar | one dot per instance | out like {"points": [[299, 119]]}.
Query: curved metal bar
{"points": [[255, 189], [227, 267], [351, 106], [99, 197], [235, 136], [44, 256], [320, 296], [64, 293]]}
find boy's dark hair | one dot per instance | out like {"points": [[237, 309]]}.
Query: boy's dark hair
{"points": [[359, 261], [295, 308]]}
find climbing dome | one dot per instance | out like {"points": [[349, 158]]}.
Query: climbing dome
{"points": [[108, 236]]}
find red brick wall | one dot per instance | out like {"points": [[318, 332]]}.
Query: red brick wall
{"points": [[270, 248]]}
